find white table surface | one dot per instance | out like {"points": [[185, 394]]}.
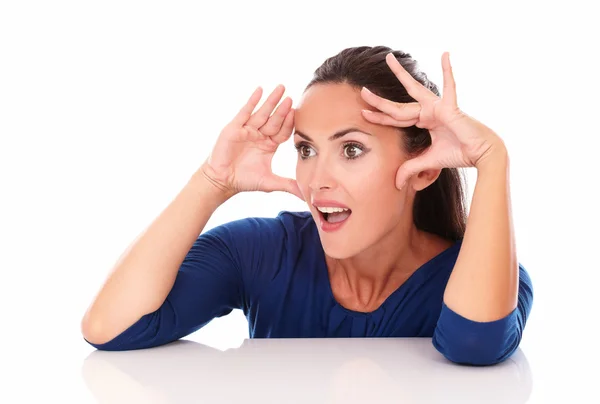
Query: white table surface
{"points": [[302, 371], [62, 367], [378, 370]]}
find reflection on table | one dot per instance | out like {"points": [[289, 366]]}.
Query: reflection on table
{"points": [[352, 370]]}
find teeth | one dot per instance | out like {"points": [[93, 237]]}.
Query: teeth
{"points": [[331, 210]]}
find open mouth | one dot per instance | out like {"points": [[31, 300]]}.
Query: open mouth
{"points": [[335, 217]]}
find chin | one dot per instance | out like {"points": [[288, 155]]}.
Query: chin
{"points": [[339, 250], [337, 253], [335, 243]]}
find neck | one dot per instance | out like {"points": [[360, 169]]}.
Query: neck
{"points": [[367, 278]]}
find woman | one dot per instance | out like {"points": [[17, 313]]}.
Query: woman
{"points": [[385, 249]]}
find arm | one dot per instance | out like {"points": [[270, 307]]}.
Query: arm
{"points": [[483, 285], [150, 289], [488, 296], [145, 273], [479, 321]]}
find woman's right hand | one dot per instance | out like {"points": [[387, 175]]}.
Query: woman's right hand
{"points": [[241, 158]]}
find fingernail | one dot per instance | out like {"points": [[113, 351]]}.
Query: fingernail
{"points": [[366, 89]]}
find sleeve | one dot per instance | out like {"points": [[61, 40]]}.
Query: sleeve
{"points": [[484, 343], [208, 284]]}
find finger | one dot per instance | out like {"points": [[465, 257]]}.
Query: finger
{"points": [[286, 128], [246, 112], [261, 116], [384, 119], [273, 124], [449, 83], [413, 87], [277, 183], [400, 111], [409, 168]]}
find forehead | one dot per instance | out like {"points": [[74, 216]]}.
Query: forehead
{"points": [[326, 108]]}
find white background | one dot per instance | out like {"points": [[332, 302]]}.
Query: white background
{"points": [[107, 108]]}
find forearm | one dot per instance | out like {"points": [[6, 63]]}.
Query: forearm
{"points": [[483, 285], [145, 273]]}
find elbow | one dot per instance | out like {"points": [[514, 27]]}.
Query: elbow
{"points": [[147, 331], [468, 342], [477, 350], [477, 343], [94, 332]]}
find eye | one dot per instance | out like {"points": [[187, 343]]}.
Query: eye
{"points": [[352, 150], [304, 151]]}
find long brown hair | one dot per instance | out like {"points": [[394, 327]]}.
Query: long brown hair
{"points": [[440, 207]]}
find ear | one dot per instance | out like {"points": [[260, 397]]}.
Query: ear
{"points": [[424, 178]]}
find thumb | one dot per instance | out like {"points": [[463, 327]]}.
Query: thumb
{"points": [[408, 169], [277, 183]]}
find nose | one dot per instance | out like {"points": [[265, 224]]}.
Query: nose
{"points": [[322, 177]]}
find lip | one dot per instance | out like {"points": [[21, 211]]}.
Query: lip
{"points": [[328, 203]]}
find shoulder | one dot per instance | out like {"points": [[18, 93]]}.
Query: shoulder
{"points": [[264, 238], [284, 224], [264, 247]]}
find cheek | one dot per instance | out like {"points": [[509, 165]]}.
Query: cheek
{"points": [[301, 178], [376, 192], [379, 173], [374, 187]]}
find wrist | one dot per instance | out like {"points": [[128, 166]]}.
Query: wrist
{"points": [[496, 158], [206, 187]]}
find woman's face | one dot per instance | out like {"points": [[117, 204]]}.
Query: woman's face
{"points": [[356, 170]]}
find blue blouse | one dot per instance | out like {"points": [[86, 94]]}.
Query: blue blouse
{"points": [[274, 269]]}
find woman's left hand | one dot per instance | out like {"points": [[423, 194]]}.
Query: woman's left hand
{"points": [[457, 140]]}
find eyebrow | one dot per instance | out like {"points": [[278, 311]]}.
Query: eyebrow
{"points": [[335, 136]]}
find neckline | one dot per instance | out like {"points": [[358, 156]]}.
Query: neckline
{"points": [[420, 273]]}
